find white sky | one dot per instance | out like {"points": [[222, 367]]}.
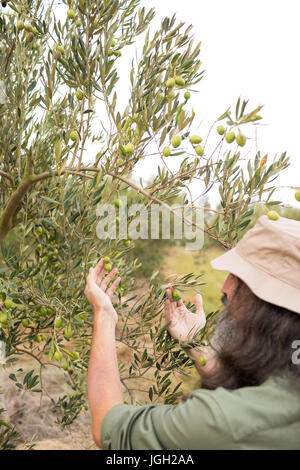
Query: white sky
{"points": [[249, 48]]}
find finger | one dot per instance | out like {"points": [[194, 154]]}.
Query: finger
{"points": [[199, 303], [99, 266], [179, 303], [113, 287], [169, 293], [99, 270], [91, 276], [106, 280]]}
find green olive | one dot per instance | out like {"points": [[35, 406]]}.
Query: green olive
{"points": [[221, 130], [230, 136], [202, 361], [60, 48], [241, 140], [8, 303], [179, 81], [58, 356], [166, 151], [43, 311], [71, 14], [3, 317], [273, 215], [25, 322], [176, 141], [170, 83], [73, 136], [195, 139], [68, 331], [20, 25], [199, 150], [58, 322], [129, 148], [176, 294], [79, 95], [297, 196]]}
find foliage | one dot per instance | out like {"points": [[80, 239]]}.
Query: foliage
{"points": [[66, 146]]}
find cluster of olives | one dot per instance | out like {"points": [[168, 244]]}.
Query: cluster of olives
{"points": [[58, 51], [231, 137], [177, 140], [30, 31], [72, 16], [127, 151], [111, 51], [8, 304], [178, 81], [47, 253]]}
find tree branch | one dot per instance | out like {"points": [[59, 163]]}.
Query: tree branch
{"points": [[7, 176], [12, 206]]}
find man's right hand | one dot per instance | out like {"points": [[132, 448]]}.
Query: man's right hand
{"points": [[184, 324]]}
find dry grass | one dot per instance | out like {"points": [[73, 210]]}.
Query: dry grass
{"points": [[33, 418]]}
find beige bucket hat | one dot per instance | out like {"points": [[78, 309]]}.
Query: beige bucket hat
{"points": [[267, 259]]}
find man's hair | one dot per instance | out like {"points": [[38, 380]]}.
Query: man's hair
{"points": [[252, 341]]}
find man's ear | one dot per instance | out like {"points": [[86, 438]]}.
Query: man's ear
{"points": [[224, 299]]}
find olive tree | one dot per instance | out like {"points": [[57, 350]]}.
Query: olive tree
{"points": [[67, 145]]}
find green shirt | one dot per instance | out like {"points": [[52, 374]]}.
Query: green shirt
{"points": [[262, 417]]}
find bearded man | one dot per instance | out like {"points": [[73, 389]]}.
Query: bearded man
{"points": [[250, 387]]}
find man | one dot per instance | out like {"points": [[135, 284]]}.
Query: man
{"points": [[250, 394]]}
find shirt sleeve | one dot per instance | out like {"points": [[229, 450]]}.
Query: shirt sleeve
{"points": [[198, 423]]}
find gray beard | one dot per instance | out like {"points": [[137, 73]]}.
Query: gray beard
{"points": [[224, 332]]}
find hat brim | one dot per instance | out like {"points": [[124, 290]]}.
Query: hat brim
{"points": [[262, 284]]}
